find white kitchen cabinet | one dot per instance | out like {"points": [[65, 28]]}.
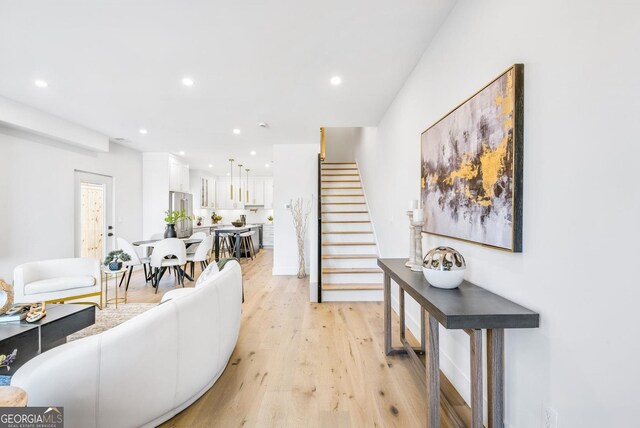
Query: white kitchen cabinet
{"points": [[267, 235], [268, 193], [178, 175], [223, 195], [256, 191], [207, 192]]}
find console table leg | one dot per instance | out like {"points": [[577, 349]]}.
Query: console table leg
{"points": [[401, 314], [476, 379], [433, 375], [387, 314], [495, 377]]}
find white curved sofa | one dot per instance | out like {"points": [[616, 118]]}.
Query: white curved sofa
{"points": [[147, 369], [57, 280]]}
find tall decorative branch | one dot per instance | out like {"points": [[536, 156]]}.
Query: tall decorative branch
{"points": [[300, 212]]}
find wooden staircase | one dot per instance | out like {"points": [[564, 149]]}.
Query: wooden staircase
{"points": [[348, 248]]}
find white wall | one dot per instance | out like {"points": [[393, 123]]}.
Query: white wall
{"points": [[37, 195], [581, 197], [295, 175], [340, 144]]}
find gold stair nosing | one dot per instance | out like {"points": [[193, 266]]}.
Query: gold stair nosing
{"points": [[346, 221]]}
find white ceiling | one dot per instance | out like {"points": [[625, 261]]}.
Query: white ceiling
{"points": [[116, 66]]}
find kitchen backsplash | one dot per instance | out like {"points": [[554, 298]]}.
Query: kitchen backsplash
{"points": [[259, 216]]}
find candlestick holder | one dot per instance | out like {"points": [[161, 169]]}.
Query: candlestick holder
{"points": [[412, 238], [416, 265]]}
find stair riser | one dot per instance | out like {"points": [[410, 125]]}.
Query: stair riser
{"points": [[348, 238], [354, 199], [353, 249], [349, 263], [352, 296], [328, 216], [340, 170], [341, 227], [352, 278], [343, 207], [332, 192]]}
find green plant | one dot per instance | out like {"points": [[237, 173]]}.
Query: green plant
{"points": [[270, 218], [175, 216], [115, 256]]}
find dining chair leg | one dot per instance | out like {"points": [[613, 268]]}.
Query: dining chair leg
{"points": [[252, 249], [193, 269], [129, 278], [146, 278], [122, 279], [157, 279]]}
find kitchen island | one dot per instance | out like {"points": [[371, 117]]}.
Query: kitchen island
{"points": [[236, 231]]}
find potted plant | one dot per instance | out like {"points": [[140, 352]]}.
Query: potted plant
{"points": [[199, 221], [270, 218], [172, 217], [216, 219], [115, 258]]}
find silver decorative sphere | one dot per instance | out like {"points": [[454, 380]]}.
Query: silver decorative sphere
{"points": [[444, 258], [443, 267]]}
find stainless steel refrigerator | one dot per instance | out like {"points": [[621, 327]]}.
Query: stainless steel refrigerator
{"points": [[182, 201]]}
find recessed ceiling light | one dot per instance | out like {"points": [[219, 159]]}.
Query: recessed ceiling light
{"points": [[252, 152], [143, 131], [210, 166], [267, 165], [181, 153], [336, 80], [187, 81], [228, 174], [40, 83], [236, 131]]}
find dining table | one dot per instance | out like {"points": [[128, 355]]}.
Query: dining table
{"points": [[150, 243]]}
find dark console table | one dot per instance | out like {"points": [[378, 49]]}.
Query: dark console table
{"points": [[32, 339], [469, 308]]}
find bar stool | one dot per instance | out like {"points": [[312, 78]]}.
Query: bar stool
{"points": [[225, 244], [246, 243]]}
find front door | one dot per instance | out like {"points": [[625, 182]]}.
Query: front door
{"points": [[94, 215]]}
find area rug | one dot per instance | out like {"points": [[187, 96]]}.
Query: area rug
{"points": [[110, 317]]}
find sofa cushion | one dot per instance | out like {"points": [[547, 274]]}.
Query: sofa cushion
{"points": [[59, 284]]}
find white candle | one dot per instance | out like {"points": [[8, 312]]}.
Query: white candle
{"points": [[413, 204], [417, 215]]}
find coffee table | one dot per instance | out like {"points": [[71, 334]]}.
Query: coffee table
{"points": [[31, 339]]}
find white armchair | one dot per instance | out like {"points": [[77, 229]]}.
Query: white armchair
{"points": [[57, 280]]}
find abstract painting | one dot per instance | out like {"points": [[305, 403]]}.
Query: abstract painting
{"points": [[471, 179]]}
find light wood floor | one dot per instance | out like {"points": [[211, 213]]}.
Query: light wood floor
{"points": [[301, 364]]}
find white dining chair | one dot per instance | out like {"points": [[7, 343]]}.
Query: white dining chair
{"points": [[197, 235], [201, 255], [136, 260], [159, 261]]}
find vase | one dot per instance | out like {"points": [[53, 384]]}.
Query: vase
{"points": [[302, 271], [444, 267], [115, 266], [170, 231]]}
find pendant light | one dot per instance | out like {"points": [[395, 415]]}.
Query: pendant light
{"points": [[247, 185], [240, 182], [231, 175]]}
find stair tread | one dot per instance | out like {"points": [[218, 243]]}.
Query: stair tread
{"points": [[340, 181], [340, 175], [349, 256], [346, 221], [341, 188], [346, 244], [340, 169], [341, 196], [345, 212], [352, 270], [343, 203], [338, 163], [331, 286], [360, 232]]}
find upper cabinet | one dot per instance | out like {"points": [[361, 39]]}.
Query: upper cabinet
{"points": [[203, 189], [178, 175], [228, 194]]}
